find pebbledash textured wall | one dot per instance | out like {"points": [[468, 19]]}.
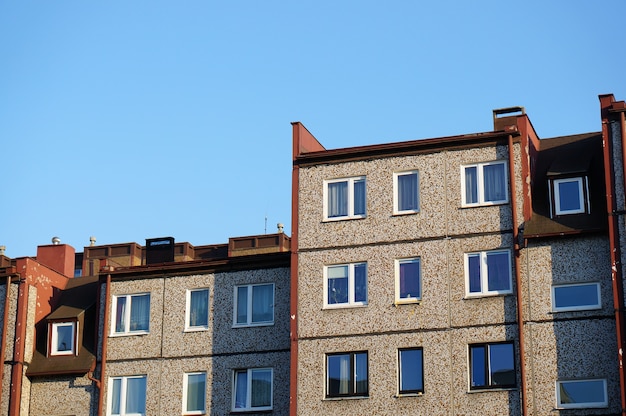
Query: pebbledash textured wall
{"points": [[51, 396], [443, 323], [168, 351]]}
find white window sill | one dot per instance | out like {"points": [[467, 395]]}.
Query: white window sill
{"points": [[484, 204], [128, 334], [196, 329], [486, 295], [401, 213], [360, 217], [487, 390], [343, 306], [407, 302], [334, 399], [252, 325], [401, 395]]}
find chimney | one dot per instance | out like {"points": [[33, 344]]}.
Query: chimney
{"points": [[59, 257], [159, 250], [503, 119]]}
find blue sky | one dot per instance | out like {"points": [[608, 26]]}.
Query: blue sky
{"points": [[129, 120]]}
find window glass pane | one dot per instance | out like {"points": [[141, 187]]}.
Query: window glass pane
{"points": [[198, 308], [473, 265], [115, 396], [574, 296], [120, 314], [361, 373], [471, 185], [498, 271], [261, 388], [411, 373], [241, 387], [136, 395], [337, 284], [585, 391], [337, 199], [410, 279], [65, 337], [359, 197], [569, 195], [262, 303], [407, 192], [196, 391], [502, 369], [360, 283], [338, 382], [242, 305], [478, 366], [139, 312], [494, 186]]}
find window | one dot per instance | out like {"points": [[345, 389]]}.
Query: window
{"points": [[194, 393], [62, 338], [197, 311], [484, 184], [131, 314], [344, 198], [410, 371], [253, 389], [570, 195], [573, 394], [488, 272], [408, 280], [576, 297], [346, 374], [345, 285], [254, 305], [492, 366], [127, 395], [406, 192]]}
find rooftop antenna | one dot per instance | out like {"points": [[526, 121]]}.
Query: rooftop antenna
{"points": [[265, 224]]}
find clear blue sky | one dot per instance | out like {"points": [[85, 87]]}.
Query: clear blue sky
{"points": [[129, 120]]}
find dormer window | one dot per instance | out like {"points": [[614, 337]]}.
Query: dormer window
{"points": [[62, 338], [569, 196]]}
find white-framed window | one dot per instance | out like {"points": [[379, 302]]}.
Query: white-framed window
{"points": [[197, 310], [254, 305], [344, 198], [347, 374], [408, 280], [253, 389], [127, 396], [488, 273], [570, 196], [410, 371], [492, 365], [484, 183], [406, 192], [581, 394], [131, 314], [345, 285], [63, 338], [576, 297], [194, 393]]}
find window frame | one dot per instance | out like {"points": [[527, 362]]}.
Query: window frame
{"points": [[249, 385], [489, 385], [582, 405], [353, 382], [250, 305], [583, 195], [410, 392], [480, 180], [53, 338], [587, 307], [127, 330], [397, 270], [352, 302], [123, 393], [484, 274], [350, 208], [396, 193], [185, 408], [188, 326]]}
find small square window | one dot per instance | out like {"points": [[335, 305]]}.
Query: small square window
{"points": [[197, 311], [127, 396], [410, 371], [492, 366], [581, 394], [194, 393], [488, 273], [254, 305], [345, 285], [346, 374], [484, 184], [63, 338], [406, 192], [344, 198], [253, 389], [408, 280], [570, 196], [131, 314], [576, 297]]}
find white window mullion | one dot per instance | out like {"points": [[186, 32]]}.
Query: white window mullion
{"points": [[249, 305], [480, 185]]}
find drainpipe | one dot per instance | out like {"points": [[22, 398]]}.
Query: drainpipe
{"points": [[90, 375], [17, 372], [293, 296], [5, 319], [518, 278]]}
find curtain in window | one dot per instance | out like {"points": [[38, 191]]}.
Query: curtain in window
{"points": [[242, 305], [65, 337], [262, 303], [241, 389], [198, 308], [410, 279], [140, 313], [407, 192], [261, 388], [360, 374], [115, 396], [136, 395], [471, 185], [360, 282], [498, 271], [337, 284], [359, 197], [120, 314], [196, 391], [493, 177], [473, 266], [337, 199]]}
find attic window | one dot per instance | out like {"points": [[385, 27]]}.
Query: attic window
{"points": [[570, 196], [62, 338]]}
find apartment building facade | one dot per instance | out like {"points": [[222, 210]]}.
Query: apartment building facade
{"points": [[457, 275]]}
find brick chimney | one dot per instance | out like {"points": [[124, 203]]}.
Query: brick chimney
{"points": [[58, 257]]}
